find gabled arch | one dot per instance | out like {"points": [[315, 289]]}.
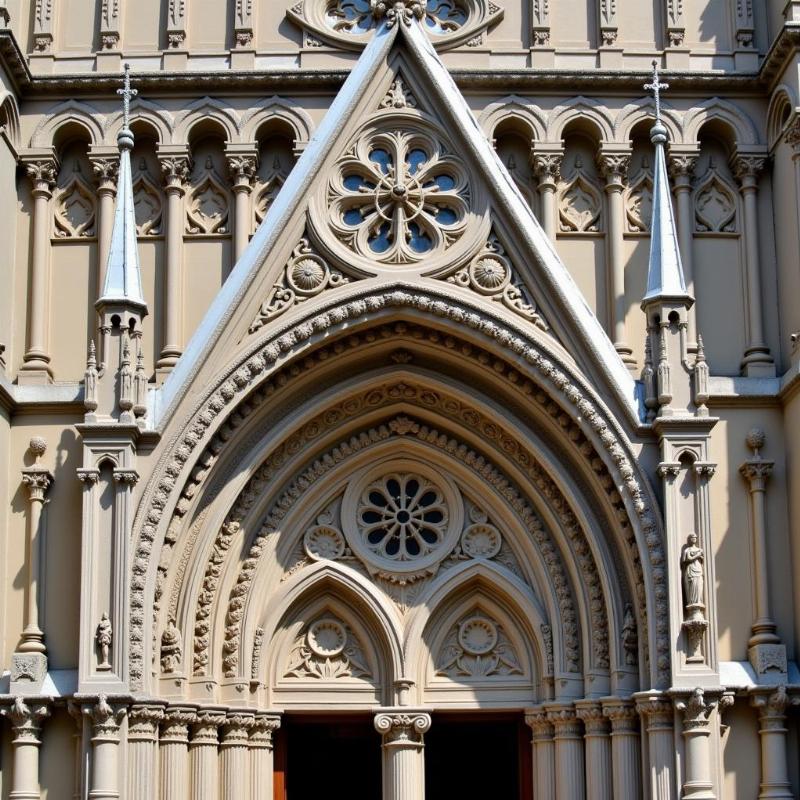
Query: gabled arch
{"points": [[645, 109], [70, 112], [743, 131], [202, 110], [153, 114], [584, 109], [523, 112], [276, 108]]}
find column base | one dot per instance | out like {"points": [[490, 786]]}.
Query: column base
{"points": [[626, 354], [28, 671], [758, 363], [35, 372], [769, 662]]}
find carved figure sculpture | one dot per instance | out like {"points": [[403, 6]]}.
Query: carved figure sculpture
{"points": [[630, 639], [692, 558], [103, 637], [171, 647]]}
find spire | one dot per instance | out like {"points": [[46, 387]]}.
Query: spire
{"points": [[665, 272], [123, 283]]}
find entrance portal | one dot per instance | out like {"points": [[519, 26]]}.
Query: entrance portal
{"points": [[323, 752], [474, 757]]}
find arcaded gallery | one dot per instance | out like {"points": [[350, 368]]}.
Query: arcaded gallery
{"points": [[399, 399]]}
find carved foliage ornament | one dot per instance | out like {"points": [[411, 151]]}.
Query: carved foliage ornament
{"points": [[349, 23], [75, 207], [477, 647], [327, 649], [714, 204], [579, 202]]}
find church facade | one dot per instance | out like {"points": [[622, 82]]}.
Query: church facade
{"points": [[399, 399]]}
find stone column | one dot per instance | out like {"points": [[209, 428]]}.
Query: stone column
{"points": [[143, 721], [105, 172], [544, 764], [547, 168], [174, 752], [261, 750], [26, 726], [697, 784], [615, 169], [242, 169], [763, 640], [597, 741], [403, 730], [204, 754], [32, 665], [36, 359], [771, 705], [625, 749], [176, 173], [105, 719], [681, 168], [657, 716], [568, 736], [236, 778], [757, 360]]}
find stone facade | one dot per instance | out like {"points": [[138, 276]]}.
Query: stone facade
{"points": [[386, 359]]}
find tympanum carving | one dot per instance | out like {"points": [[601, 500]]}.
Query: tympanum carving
{"points": [[327, 649], [477, 647]]}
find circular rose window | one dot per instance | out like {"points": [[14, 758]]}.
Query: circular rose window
{"points": [[402, 519]]}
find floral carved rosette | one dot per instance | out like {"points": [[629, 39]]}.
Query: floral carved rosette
{"points": [[399, 196], [349, 23]]}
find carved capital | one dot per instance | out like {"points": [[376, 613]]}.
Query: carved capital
{"points": [[614, 167], [105, 718], [792, 135], [175, 170], [129, 477], [176, 722], [681, 167], [622, 714], [757, 471], [236, 729], [38, 480], [540, 724], [105, 173], [704, 469], [206, 727], [772, 706], [594, 719], [402, 728], [747, 169], [656, 710], [26, 719], [669, 469], [88, 476], [143, 722], [242, 170], [42, 174], [565, 721], [547, 168], [263, 730], [695, 710]]}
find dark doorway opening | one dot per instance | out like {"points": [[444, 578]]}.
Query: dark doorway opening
{"points": [[321, 752], [473, 757]]}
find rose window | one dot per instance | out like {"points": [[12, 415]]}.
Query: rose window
{"points": [[399, 197], [357, 17], [403, 518]]}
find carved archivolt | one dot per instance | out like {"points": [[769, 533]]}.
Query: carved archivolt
{"points": [[583, 412], [348, 24]]}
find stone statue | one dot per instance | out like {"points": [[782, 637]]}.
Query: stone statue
{"points": [[630, 639], [692, 557], [171, 648], [103, 638]]}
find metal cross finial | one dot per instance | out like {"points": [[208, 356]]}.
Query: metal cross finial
{"points": [[127, 95], [656, 86]]}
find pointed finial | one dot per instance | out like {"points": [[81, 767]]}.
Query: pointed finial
{"points": [[658, 133], [127, 95], [91, 361], [701, 352]]}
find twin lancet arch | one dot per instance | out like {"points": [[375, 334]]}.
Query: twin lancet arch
{"points": [[547, 584]]}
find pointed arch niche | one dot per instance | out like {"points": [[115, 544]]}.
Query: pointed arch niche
{"points": [[266, 510]]}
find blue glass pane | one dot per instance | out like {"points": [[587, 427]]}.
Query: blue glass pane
{"points": [[380, 243], [415, 159], [445, 182], [354, 16], [419, 242], [353, 182], [382, 159], [444, 16], [353, 217], [446, 216]]}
